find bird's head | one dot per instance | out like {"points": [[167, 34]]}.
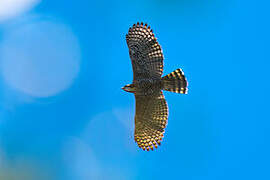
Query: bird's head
{"points": [[129, 88]]}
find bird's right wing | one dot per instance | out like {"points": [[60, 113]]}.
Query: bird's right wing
{"points": [[145, 52], [150, 120]]}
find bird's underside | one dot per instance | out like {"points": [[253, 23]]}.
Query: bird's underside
{"points": [[151, 107]]}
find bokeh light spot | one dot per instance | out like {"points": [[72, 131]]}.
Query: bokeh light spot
{"points": [[12, 8], [80, 160], [40, 59]]}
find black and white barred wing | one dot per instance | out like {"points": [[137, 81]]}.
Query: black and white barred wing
{"points": [[145, 52], [150, 120]]}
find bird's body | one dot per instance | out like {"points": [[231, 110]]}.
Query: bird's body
{"points": [[151, 107], [144, 87]]}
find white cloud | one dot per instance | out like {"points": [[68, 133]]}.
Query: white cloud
{"points": [[12, 8]]}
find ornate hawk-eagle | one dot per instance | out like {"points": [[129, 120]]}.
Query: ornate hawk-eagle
{"points": [[151, 108]]}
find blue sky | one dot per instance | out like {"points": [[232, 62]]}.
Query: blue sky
{"points": [[63, 114]]}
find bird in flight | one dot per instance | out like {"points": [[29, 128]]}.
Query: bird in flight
{"points": [[151, 114]]}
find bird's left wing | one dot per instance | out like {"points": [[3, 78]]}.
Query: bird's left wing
{"points": [[145, 52], [150, 120]]}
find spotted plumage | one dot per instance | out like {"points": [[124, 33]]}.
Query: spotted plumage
{"points": [[175, 82], [151, 115]]}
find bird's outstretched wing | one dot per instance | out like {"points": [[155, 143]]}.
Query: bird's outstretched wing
{"points": [[150, 120], [145, 52]]}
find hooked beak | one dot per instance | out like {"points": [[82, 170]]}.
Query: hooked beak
{"points": [[128, 88]]}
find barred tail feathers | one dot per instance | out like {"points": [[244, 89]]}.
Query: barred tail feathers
{"points": [[175, 82]]}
